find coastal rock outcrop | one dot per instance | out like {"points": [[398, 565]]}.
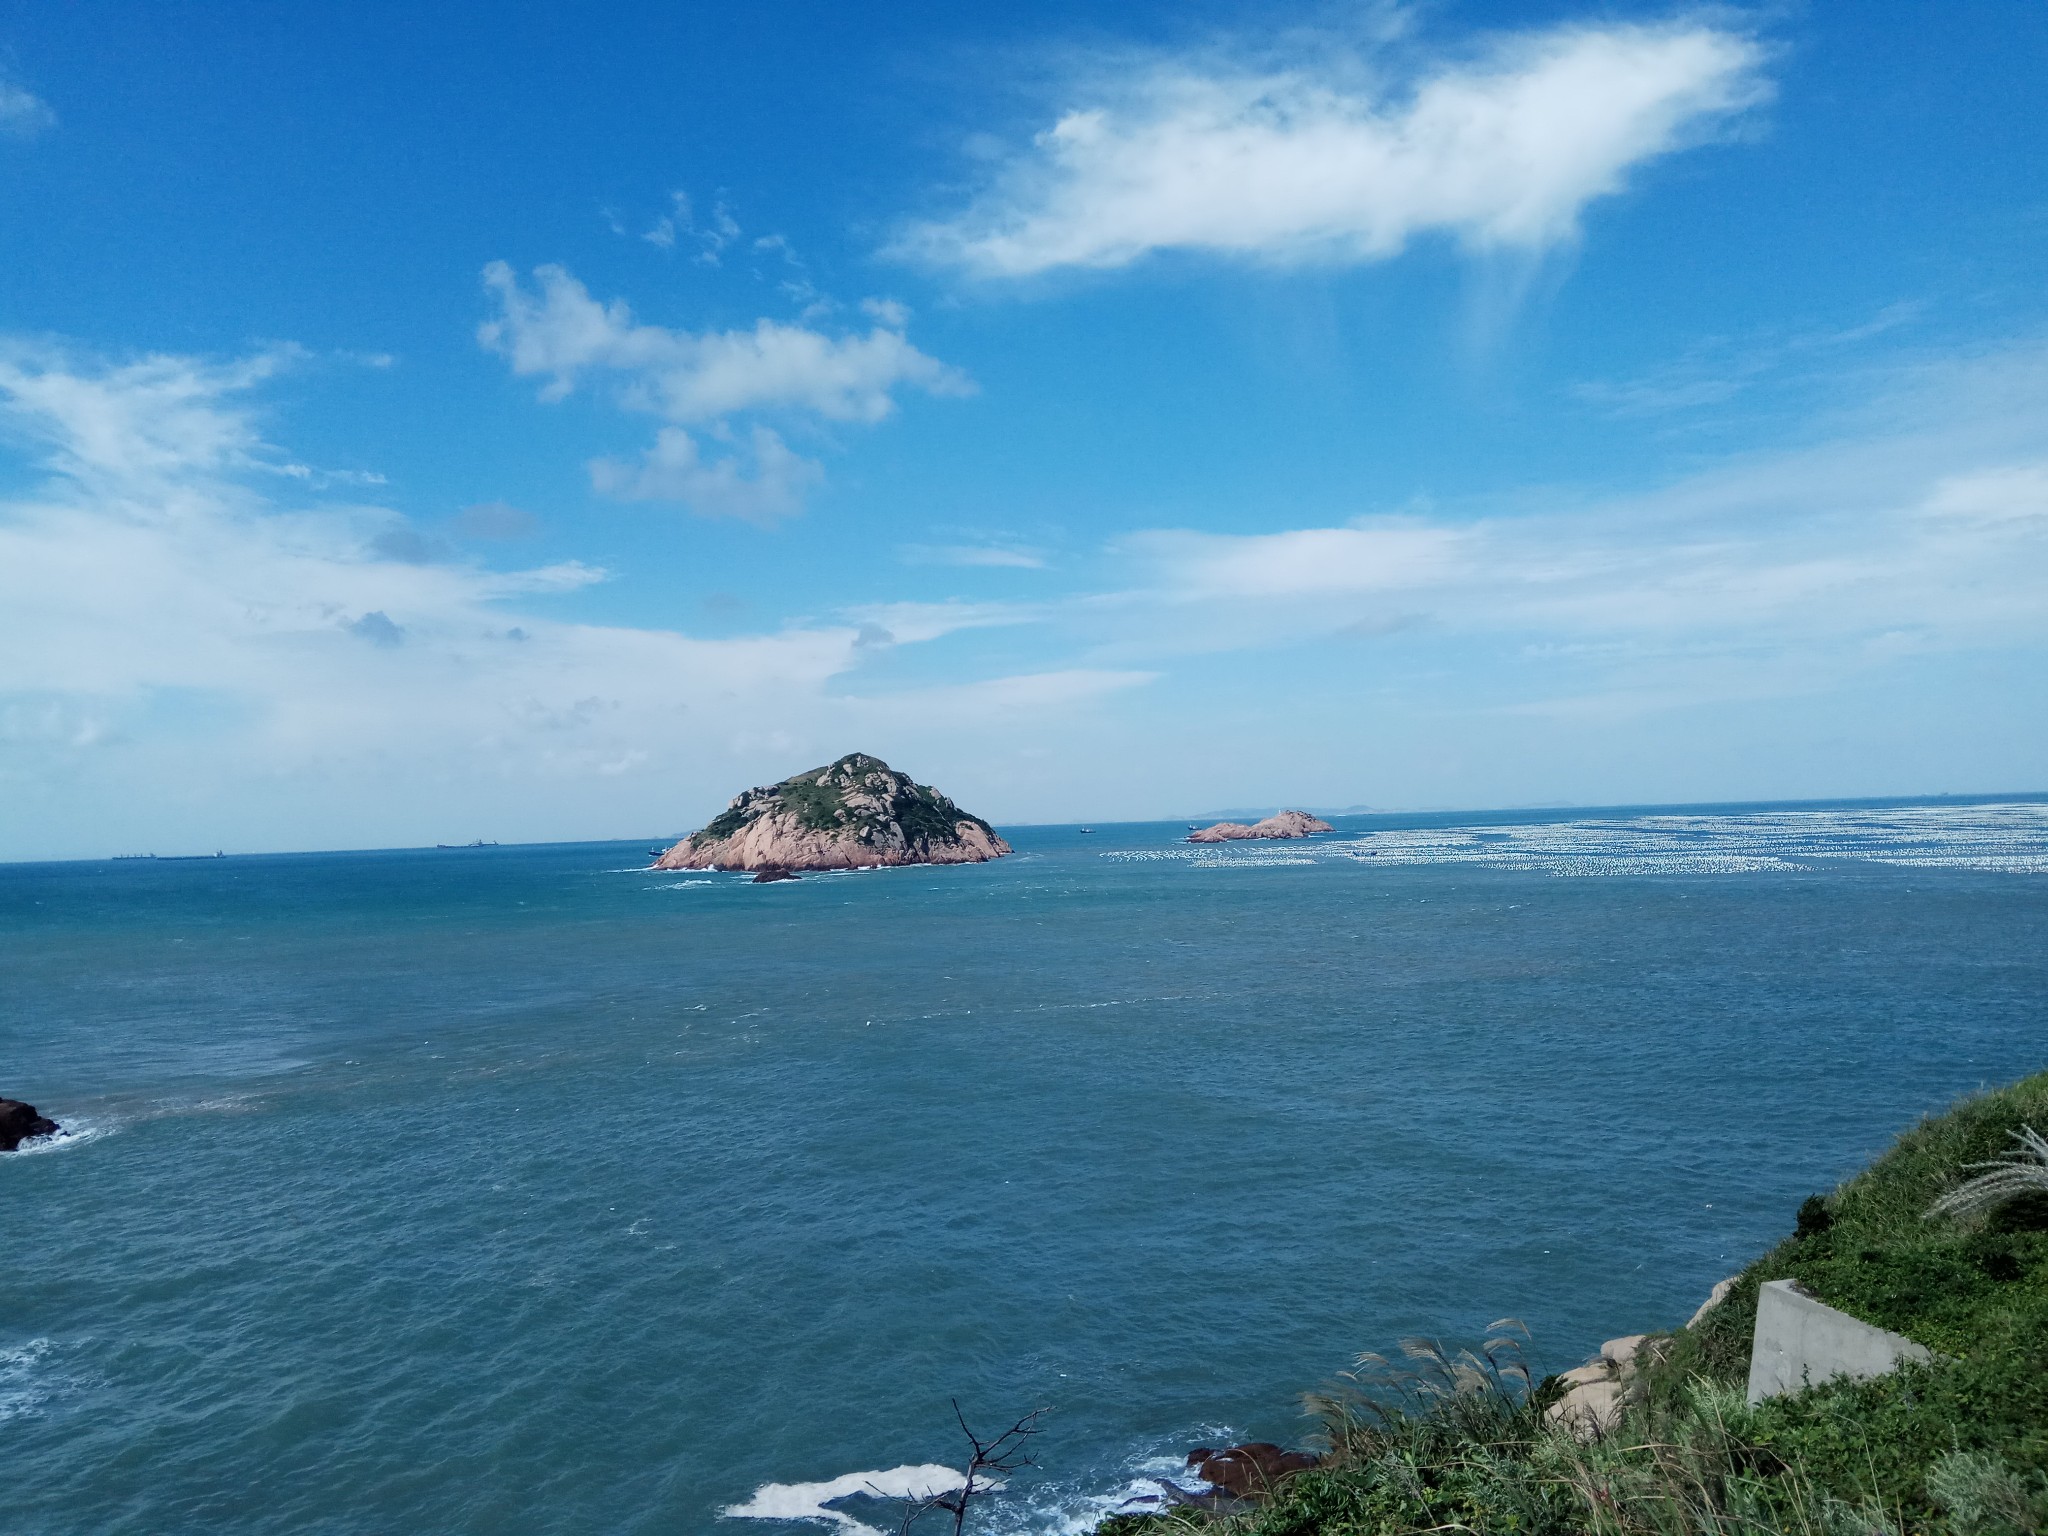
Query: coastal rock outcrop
{"points": [[19, 1122], [1595, 1393], [1244, 1471], [853, 814], [1286, 824]]}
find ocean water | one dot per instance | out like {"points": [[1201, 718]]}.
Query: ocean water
{"points": [[522, 1190]]}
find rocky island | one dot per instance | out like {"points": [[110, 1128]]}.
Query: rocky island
{"points": [[1286, 824], [853, 814]]}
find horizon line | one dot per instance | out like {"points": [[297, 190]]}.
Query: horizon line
{"points": [[1578, 809]]}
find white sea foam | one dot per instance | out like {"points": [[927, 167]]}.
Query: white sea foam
{"points": [[1059, 1508], [1996, 839], [810, 1501], [73, 1133], [23, 1388], [1058, 1511]]}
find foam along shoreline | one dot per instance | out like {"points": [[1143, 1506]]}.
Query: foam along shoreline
{"points": [[75, 1133], [813, 1501]]}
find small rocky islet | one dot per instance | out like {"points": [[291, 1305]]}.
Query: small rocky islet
{"points": [[19, 1122], [856, 813], [1286, 824]]}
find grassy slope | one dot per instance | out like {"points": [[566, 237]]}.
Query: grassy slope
{"points": [[1959, 1446], [1976, 1292]]}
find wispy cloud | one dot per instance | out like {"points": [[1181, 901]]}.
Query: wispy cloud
{"points": [[892, 622], [558, 332], [1719, 369], [998, 699], [1012, 556], [1379, 556], [134, 426], [710, 236], [23, 114], [1322, 155], [762, 481], [1919, 527]]}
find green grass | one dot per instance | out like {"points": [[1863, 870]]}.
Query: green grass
{"points": [[1958, 1447]]}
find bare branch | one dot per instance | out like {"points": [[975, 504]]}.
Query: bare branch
{"points": [[989, 1463]]}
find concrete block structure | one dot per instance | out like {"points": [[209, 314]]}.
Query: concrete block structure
{"points": [[1801, 1342]]}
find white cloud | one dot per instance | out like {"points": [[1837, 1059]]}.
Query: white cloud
{"points": [[1014, 556], [559, 332], [1001, 700], [680, 223], [662, 233], [673, 469], [1381, 556], [2010, 494], [189, 657], [1035, 691], [911, 622], [23, 114], [1922, 529], [563, 333], [1318, 158], [138, 425], [188, 660]]}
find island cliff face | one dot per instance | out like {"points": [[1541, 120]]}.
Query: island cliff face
{"points": [[851, 814], [1286, 824]]}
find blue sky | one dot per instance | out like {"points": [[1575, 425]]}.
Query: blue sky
{"points": [[419, 423]]}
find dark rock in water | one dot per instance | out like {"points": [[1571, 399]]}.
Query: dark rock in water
{"points": [[1244, 1471], [19, 1122], [1215, 1501], [769, 875]]}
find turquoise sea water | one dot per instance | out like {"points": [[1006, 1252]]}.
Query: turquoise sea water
{"points": [[520, 1190]]}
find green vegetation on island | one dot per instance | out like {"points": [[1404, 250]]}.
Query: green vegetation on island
{"points": [[819, 802], [855, 812], [1957, 1446]]}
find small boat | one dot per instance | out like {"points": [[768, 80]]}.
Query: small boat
{"points": [[1087, 831]]}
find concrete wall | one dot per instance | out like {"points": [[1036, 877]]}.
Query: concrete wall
{"points": [[1801, 1342]]}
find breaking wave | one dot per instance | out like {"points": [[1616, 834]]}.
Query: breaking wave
{"points": [[23, 1388], [813, 1501], [72, 1133]]}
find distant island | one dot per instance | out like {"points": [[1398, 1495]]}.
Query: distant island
{"points": [[1286, 824], [856, 813]]}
